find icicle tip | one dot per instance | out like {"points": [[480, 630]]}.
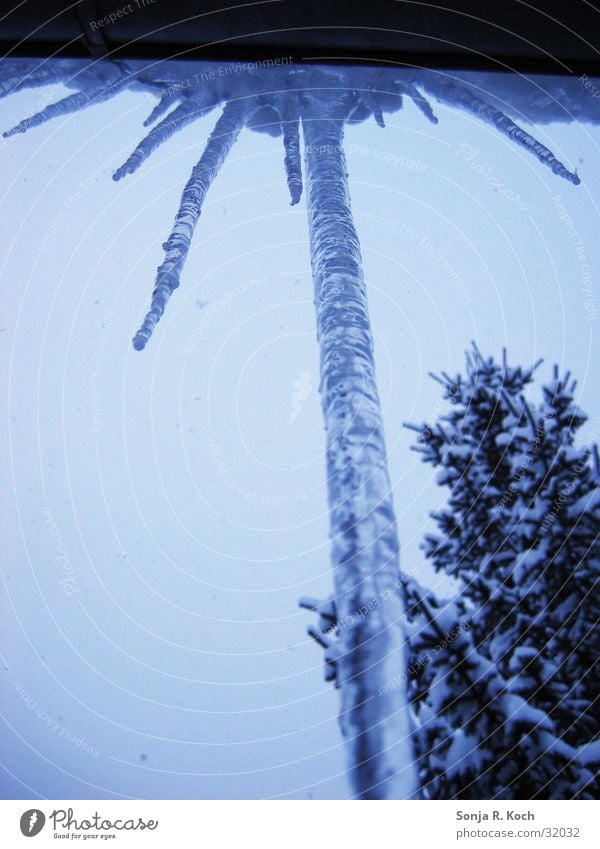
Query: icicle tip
{"points": [[121, 172], [139, 342], [295, 192], [573, 177]]}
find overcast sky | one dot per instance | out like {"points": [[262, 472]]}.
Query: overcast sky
{"points": [[163, 511]]}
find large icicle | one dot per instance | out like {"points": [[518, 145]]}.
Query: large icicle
{"points": [[89, 96], [365, 552], [290, 125], [176, 120], [456, 95], [222, 138]]}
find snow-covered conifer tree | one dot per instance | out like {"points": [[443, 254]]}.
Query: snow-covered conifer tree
{"points": [[505, 676]]}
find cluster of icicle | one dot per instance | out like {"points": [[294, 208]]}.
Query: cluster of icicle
{"points": [[270, 99]]}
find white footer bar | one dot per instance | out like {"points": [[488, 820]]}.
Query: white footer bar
{"points": [[301, 824]]}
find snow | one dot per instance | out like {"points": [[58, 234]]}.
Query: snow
{"points": [[589, 755], [464, 754], [523, 715], [588, 503]]}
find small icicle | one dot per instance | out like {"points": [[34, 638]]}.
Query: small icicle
{"points": [[46, 74], [420, 101], [175, 121], [168, 99], [70, 104], [290, 125], [456, 95], [221, 140], [369, 98]]}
